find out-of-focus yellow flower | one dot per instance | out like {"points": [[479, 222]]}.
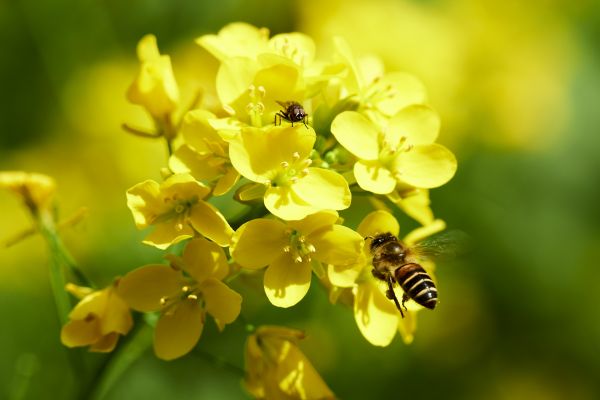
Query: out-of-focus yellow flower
{"points": [[204, 154], [237, 39], [97, 320], [276, 369], [183, 299], [36, 190], [176, 208], [378, 94], [291, 250], [403, 153], [376, 316], [278, 158], [154, 88]]}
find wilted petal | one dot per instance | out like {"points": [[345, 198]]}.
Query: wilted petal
{"points": [[143, 288], [178, 329], [374, 177], [258, 242], [287, 282], [209, 221], [223, 303], [375, 315], [426, 166], [357, 134], [337, 245]]}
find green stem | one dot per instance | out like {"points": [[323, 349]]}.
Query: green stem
{"points": [[119, 362], [219, 362]]}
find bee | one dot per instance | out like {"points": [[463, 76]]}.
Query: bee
{"points": [[292, 112], [396, 263]]}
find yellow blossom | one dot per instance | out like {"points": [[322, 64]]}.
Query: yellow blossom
{"points": [[403, 154], [376, 316], [278, 158], [292, 249], [177, 209], [204, 154], [97, 320], [276, 369], [36, 190], [154, 88], [183, 293]]}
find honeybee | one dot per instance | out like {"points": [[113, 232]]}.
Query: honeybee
{"points": [[292, 112], [395, 262]]}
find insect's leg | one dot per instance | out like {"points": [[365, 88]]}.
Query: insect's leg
{"points": [[405, 298], [275, 119], [292, 124], [305, 119], [390, 294]]}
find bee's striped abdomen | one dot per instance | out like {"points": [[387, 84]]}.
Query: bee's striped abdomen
{"points": [[417, 284]]}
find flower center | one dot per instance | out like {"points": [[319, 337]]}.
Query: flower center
{"points": [[256, 107], [389, 151], [299, 249], [290, 171]]}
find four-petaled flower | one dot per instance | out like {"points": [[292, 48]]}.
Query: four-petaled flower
{"points": [[183, 293], [403, 154], [279, 158], [376, 315], [97, 320], [277, 369], [177, 209], [290, 249], [36, 190]]}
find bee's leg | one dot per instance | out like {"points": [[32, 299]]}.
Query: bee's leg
{"points": [[390, 294], [405, 298]]}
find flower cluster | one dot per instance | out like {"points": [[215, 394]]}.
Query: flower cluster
{"points": [[291, 140]]}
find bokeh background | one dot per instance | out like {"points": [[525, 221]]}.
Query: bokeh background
{"points": [[518, 87]]}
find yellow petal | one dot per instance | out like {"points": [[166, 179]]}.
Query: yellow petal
{"points": [[178, 329], [418, 234], [183, 186], [116, 316], [313, 222], [197, 132], [297, 46], [419, 124], [203, 259], [378, 222], [186, 160], [223, 303], [374, 177], [323, 189], [286, 204], [357, 134], [226, 181], [106, 344], [168, 233], [407, 326], [78, 333], [406, 90], [375, 315], [147, 49], [337, 245], [143, 201], [426, 166], [209, 221], [258, 242], [234, 77], [143, 288], [95, 304], [287, 282], [237, 39], [36, 190], [345, 275], [416, 205]]}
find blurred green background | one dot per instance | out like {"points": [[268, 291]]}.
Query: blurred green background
{"points": [[518, 89]]}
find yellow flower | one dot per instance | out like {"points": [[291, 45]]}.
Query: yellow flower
{"points": [[376, 316], [36, 190], [402, 154], [154, 88], [183, 299], [276, 369], [204, 154], [292, 249], [378, 94], [278, 158], [97, 320], [176, 208]]}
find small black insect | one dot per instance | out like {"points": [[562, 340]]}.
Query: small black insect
{"points": [[292, 112]]}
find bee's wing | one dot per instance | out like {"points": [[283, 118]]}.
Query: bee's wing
{"points": [[444, 246], [284, 104]]}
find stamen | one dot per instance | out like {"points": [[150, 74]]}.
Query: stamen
{"points": [[287, 249], [296, 156], [163, 300], [228, 109], [302, 239], [308, 162], [311, 248], [285, 164], [185, 289], [305, 172], [192, 297], [298, 259]]}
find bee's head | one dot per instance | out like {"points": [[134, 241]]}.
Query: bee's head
{"points": [[381, 239], [299, 113]]}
